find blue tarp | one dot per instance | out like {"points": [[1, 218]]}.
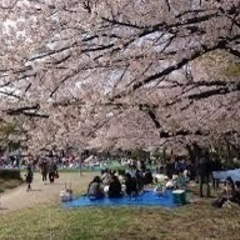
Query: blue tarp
{"points": [[148, 198], [222, 175]]}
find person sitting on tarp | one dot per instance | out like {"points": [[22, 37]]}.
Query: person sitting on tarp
{"points": [[171, 184], [106, 177], [95, 190], [120, 174], [115, 188], [228, 195], [181, 181], [131, 185], [139, 181], [132, 171], [147, 177]]}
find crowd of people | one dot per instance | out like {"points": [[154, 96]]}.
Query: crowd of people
{"points": [[12, 162], [179, 174], [48, 169], [115, 184], [197, 167], [64, 161], [136, 177]]}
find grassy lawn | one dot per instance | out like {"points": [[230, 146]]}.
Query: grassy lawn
{"points": [[194, 222], [198, 221]]}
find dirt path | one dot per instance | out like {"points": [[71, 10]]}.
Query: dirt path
{"points": [[42, 193]]}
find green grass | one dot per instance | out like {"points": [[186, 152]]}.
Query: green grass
{"points": [[189, 222], [198, 221]]}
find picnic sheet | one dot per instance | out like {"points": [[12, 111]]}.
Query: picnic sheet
{"points": [[148, 198], [222, 175]]}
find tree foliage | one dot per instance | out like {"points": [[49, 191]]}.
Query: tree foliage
{"points": [[11, 134]]}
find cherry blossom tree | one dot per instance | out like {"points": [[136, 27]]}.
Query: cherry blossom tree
{"points": [[73, 71]]}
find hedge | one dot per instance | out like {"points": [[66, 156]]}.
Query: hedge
{"points": [[10, 174]]}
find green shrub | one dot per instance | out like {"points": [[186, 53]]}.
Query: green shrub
{"points": [[10, 174], [140, 154]]}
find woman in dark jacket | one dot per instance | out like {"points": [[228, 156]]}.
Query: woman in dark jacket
{"points": [[52, 172], [115, 188], [95, 190], [131, 185], [148, 177]]}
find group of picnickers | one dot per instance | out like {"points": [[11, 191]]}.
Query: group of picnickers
{"points": [[200, 170], [115, 184], [132, 180], [48, 169]]}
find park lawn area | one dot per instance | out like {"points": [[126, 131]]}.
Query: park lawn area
{"points": [[196, 221]]}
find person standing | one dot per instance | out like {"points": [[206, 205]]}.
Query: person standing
{"points": [[29, 178], [44, 170], [169, 168], [52, 171], [204, 172], [216, 166]]}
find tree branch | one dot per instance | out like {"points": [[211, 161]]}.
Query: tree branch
{"points": [[150, 111], [29, 111], [233, 51]]}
